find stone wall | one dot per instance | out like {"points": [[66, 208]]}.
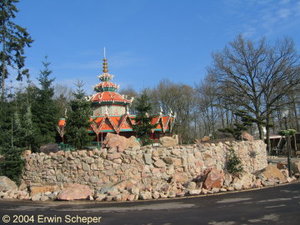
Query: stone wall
{"points": [[139, 169]]}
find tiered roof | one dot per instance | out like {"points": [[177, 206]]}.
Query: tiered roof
{"points": [[124, 123], [107, 90]]}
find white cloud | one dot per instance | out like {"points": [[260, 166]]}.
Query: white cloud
{"points": [[266, 17]]}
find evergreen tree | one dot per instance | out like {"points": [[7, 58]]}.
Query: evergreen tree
{"points": [[12, 164], [6, 135], [24, 130], [30, 130], [143, 125], [44, 110], [78, 119], [13, 40]]}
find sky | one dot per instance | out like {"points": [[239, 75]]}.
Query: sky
{"points": [[145, 40]]}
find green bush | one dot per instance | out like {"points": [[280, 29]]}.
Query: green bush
{"points": [[233, 164]]}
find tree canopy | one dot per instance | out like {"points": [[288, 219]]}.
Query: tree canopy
{"points": [[78, 119], [254, 76], [13, 40], [143, 125]]}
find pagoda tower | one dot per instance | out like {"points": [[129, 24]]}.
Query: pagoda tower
{"points": [[111, 112], [107, 100]]}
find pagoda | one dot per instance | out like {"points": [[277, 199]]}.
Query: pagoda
{"points": [[111, 111], [107, 101]]}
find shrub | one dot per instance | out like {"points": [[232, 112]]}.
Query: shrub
{"points": [[233, 164]]}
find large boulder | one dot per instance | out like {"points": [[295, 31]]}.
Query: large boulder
{"points": [[271, 172], [52, 147], [205, 139], [201, 140], [133, 142], [169, 141], [244, 180], [75, 192], [246, 136], [7, 184], [119, 142], [180, 178], [26, 153], [214, 179]]}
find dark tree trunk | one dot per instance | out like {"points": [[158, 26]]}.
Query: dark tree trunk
{"points": [[269, 148], [260, 131]]}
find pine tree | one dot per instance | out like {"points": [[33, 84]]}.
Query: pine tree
{"points": [[78, 119], [29, 128], [12, 164], [44, 110], [24, 130], [13, 40], [6, 135], [143, 125]]}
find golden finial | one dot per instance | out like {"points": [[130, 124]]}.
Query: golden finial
{"points": [[105, 64]]}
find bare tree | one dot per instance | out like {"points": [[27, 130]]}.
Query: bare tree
{"points": [[255, 76], [208, 105], [63, 95], [180, 99], [130, 92]]}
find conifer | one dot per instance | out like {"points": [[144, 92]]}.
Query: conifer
{"points": [[44, 110], [143, 125], [13, 40], [78, 119]]}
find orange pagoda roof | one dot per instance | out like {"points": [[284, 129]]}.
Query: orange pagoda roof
{"points": [[109, 97], [117, 124], [124, 123]]}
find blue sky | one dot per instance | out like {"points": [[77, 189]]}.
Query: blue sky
{"points": [[146, 40]]}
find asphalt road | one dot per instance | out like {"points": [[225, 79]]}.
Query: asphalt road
{"points": [[276, 205]]}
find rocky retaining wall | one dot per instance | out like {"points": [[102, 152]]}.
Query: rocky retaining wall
{"points": [[140, 172]]}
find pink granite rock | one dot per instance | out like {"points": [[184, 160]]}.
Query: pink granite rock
{"points": [[180, 178], [169, 141], [75, 192], [119, 142], [272, 172], [214, 179], [133, 142], [7, 184]]}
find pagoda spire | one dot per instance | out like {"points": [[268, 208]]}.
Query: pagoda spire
{"points": [[105, 64], [105, 78]]}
